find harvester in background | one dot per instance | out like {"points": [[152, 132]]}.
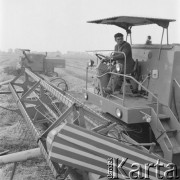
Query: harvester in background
{"points": [[40, 63]]}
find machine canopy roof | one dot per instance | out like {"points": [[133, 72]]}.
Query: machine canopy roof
{"points": [[126, 22]]}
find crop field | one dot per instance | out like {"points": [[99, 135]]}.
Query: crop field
{"points": [[14, 135]]}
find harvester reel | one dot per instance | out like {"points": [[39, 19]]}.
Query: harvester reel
{"points": [[60, 83]]}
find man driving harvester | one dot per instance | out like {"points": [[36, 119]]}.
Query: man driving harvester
{"points": [[115, 81]]}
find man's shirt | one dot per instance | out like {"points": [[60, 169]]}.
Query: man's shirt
{"points": [[126, 48]]}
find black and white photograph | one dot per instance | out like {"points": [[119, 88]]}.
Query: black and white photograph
{"points": [[89, 89]]}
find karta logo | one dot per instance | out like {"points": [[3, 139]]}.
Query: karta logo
{"points": [[126, 170]]}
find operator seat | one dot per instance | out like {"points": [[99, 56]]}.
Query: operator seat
{"points": [[136, 70], [136, 74]]}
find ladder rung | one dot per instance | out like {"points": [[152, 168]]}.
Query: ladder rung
{"points": [[171, 130], [163, 117]]}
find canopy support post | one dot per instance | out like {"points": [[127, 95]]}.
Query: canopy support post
{"points": [[128, 32], [161, 44], [167, 36], [130, 38]]}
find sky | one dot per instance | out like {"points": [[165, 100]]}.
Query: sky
{"points": [[61, 25]]}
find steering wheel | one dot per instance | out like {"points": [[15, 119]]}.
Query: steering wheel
{"points": [[101, 56]]}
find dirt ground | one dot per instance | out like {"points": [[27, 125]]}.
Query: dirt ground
{"points": [[14, 135]]}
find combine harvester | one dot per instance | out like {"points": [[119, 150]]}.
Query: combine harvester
{"points": [[40, 63], [137, 137], [149, 99]]}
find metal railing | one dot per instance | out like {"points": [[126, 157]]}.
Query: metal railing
{"points": [[124, 87]]}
